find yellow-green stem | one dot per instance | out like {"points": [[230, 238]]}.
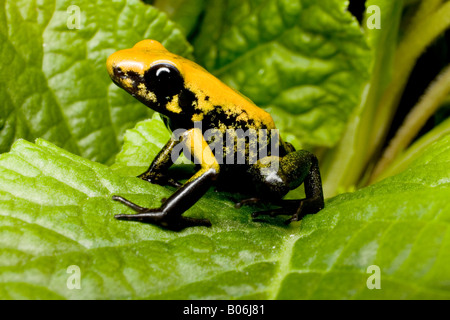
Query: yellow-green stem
{"points": [[415, 42], [430, 102], [416, 149]]}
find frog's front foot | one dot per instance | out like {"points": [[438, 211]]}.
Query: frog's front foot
{"points": [[158, 216]]}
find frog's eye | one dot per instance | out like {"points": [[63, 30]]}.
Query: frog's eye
{"points": [[164, 79]]}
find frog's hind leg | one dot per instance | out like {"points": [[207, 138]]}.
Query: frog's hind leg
{"points": [[293, 169]]}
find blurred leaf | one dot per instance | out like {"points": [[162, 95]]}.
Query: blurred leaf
{"points": [[343, 166]]}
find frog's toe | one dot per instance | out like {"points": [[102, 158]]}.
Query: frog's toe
{"points": [[248, 201], [130, 204], [272, 212], [158, 216]]}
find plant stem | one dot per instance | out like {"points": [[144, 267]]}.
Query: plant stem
{"points": [[415, 150], [430, 102], [426, 8]]}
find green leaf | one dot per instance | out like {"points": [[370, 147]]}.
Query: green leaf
{"points": [[56, 212], [55, 85], [141, 145], [304, 61], [399, 224]]}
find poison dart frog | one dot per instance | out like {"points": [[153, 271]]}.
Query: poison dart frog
{"points": [[185, 94]]}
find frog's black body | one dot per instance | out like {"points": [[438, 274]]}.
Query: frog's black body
{"points": [[187, 96]]}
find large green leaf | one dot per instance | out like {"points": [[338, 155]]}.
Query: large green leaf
{"points": [[56, 212], [304, 61], [399, 224], [54, 83]]}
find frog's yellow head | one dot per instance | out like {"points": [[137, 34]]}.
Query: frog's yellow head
{"points": [[149, 72], [181, 90]]}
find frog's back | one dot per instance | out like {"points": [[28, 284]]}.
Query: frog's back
{"points": [[218, 105]]}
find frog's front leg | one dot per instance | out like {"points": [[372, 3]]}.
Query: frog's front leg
{"points": [[288, 173], [169, 215], [157, 173]]}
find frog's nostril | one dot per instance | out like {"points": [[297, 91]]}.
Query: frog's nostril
{"points": [[114, 64], [118, 72]]}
